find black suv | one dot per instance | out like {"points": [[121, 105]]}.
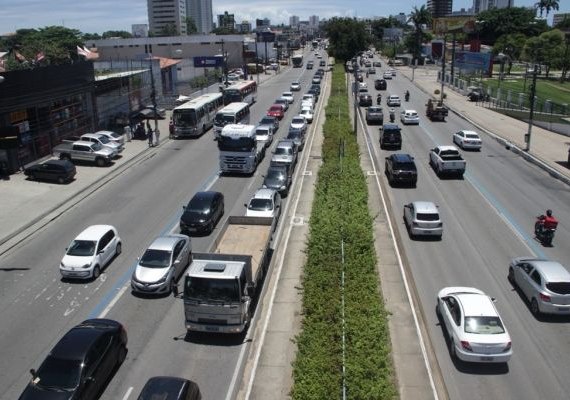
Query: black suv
{"points": [[401, 168], [390, 136], [317, 88], [365, 100], [380, 84], [60, 171], [374, 115]]}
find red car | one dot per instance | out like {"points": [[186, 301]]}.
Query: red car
{"points": [[276, 110]]}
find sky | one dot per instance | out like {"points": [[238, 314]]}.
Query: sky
{"points": [[112, 15]]}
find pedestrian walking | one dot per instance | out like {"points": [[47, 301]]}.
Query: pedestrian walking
{"points": [[128, 133], [156, 136], [150, 137], [171, 129]]}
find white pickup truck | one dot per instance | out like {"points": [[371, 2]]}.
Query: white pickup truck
{"points": [[446, 160]]}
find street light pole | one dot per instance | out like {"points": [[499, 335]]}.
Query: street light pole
{"points": [[153, 96], [531, 114], [256, 61], [442, 69]]}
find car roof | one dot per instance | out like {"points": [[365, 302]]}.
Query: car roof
{"points": [[93, 135], [402, 157], [285, 143], [469, 132], [552, 271], [425, 207], [447, 148], [206, 195], [410, 111], [170, 386], [476, 304], [391, 127], [94, 232], [166, 242], [77, 341], [64, 163], [263, 193], [374, 108]]}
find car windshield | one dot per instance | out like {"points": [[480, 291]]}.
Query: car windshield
{"points": [[104, 139], [297, 121], [184, 118], [243, 144], [427, 217], [471, 136], [199, 205], [405, 165], [224, 290], [484, 325], [153, 258], [274, 174], [56, 373], [262, 132], [81, 248], [223, 119], [267, 121], [260, 205], [283, 151]]}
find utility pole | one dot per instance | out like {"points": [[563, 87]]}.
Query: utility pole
{"points": [[354, 65], [153, 95], [442, 69], [256, 61], [531, 113]]}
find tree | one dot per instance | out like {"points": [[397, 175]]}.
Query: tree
{"points": [[191, 27], [347, 36], [120, 34], [546, 49], [223, 30], [546, 5], [91, 36], [505, 21], [168, 30], [419, 18]]}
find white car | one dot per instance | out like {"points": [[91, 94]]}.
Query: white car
{"points": [[310, 97], [467, 140], [307, 113], [289, 96], [393, 101], [264, 203], [104, 141], [387, 75], [307, 104], [475, 329], [264, 133], [299, 122], [409, 117], [112, 136], [162, 264], [422, 218], [362, 85], [295, 86], [89, 253]]}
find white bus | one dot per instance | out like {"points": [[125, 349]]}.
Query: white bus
{"points": [[243, 92], [234, 113], [195, 117]]}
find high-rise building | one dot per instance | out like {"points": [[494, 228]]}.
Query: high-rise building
{"points": [[226, 21], [314, 21], [139, 30], [439, 8], [201, 12], [559, 17], [293, 20], [167, 15], [484, 5], [244, 27], [262, 24]]}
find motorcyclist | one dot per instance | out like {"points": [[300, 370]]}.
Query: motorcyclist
{"points": [[407, 95], [379, 99], [545, 222], [367, 74], [392, 115]]}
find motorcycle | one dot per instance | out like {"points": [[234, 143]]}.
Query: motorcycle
{"points": [[379, 99], [544, 235], [407, 96], [392, 115]]}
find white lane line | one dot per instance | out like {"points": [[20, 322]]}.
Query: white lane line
{"points": [[279, 269], [400, 263], [126, 396], [114, 301]]}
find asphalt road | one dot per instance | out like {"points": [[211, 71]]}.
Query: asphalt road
{"points": [[143, 202], [488, 218]]}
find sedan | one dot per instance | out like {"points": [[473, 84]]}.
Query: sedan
{"points": [[162, 264], [393, 101], [170, 388], [545, 284], [387, 75], [202, 213], [277, 111], [81, 363], [475, 329], [316, 80], [60, 171], [467, 140], [112, 136], [298, 122], [307, 113], [409, 117], [267, 120], [289, 96], [295, 86]]}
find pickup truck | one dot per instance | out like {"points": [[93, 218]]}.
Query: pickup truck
{"points": [[446, 160], [84, 151]]}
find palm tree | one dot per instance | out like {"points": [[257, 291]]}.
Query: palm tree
{"points": [[419, 17], [547, 5]]}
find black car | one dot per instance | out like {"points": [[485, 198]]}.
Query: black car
{"points": [[297, 136], [376, 64], [268, 120], [390, 136], [309, 65], [315, 93], [202, 213], [81, 363], [401, 168], [278, 177], [374, 115], [365, 100], [317, 88], [380, 84], [60, 171], [322, 63], [170, 388]]}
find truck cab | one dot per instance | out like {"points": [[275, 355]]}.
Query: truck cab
{"points": [[239, 149]]}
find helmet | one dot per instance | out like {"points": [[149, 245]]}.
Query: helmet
{"points": [[549, 213]]}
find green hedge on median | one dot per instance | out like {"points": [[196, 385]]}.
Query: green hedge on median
{"points": [[340, 210]]}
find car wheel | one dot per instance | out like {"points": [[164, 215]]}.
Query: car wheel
{"points": [[65, 157], [118, 249], [122, 355], [100, 162], [96, 272], [171, 286], [452, 350], [534, 307], [60, 180], [511, 276], [32, 177]]}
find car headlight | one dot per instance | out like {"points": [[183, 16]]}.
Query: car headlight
{"points": [[85, 266], [61, 264], [163, 279]]}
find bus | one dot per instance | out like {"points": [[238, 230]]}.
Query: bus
{"points": [[196, 116], [241, 92], [234, 113], [297, 60]]}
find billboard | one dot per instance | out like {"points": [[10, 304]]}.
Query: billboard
{"points": [[208, 62], [472, 62], [458, 24]]}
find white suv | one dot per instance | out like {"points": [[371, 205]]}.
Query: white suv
{"points": [[90, 252], [422, 218]]}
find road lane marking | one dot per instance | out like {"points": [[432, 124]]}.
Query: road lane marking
{"points": [[128, 393]]}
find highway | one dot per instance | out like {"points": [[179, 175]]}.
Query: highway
{"points": [[143, 202], [488, 218]]}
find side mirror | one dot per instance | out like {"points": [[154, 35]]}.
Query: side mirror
{"points": [[184, 208], [176, 262], [245, 205], [33, 372]]}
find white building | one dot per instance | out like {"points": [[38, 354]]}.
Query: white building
{"points": [[293, 21], [314, 21], [139, 30], [484, 5], [201, 12], [166, 13]]}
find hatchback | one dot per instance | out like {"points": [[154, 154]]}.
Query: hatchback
{"points": [[278, 177], [422, 218], [393, 100], [285, 153], [299, 122], [170, 388], [80, 364], [90, 252], [295, 86], [289, 96], [297, 135], [276, 111], [60, 171], [307, 113], [264, 203], [202, 213], [475, 330], [545, 284], [467, 140], [409, 117], [162, 264]]}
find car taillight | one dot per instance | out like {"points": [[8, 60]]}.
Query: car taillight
{"points": [[466, 345], [545, 298], [508, 346], [439, 225]]}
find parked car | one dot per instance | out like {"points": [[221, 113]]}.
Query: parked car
{"points": [[170, 388], [84, 151], [264, 203], [364, 99], [289, 96], [422, 218], [103, 140], [60, 171], [162, 264], [401, 168], [277, 111], [545, 284], [112, 136], [81, 363], [408, 117], [390, 137], [467, 140], [475, 330], [202, 213], [295, 86], [393, 101], [374, 115], [278, 177], [264, 133], [269, 120], [90, 252]]}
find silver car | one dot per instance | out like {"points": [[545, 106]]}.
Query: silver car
{"points": [[285, 153], [162, 264], [545, 284], [422, 218]]}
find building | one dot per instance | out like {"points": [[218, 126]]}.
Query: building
{"points": [[401, 18], [439, 8], [293, 21], [314, 21], [262, 24], [226, 21], [139, 30], [201, 12], [484, 5], [559, 17], [244, 27], [166, 15]]}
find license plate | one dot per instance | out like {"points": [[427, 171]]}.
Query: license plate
{"points": [[212, 328], [486, 358], [192, 229], [563, 309]]}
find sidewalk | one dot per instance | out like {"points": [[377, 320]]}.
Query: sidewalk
{"points": [[548, 150]]}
